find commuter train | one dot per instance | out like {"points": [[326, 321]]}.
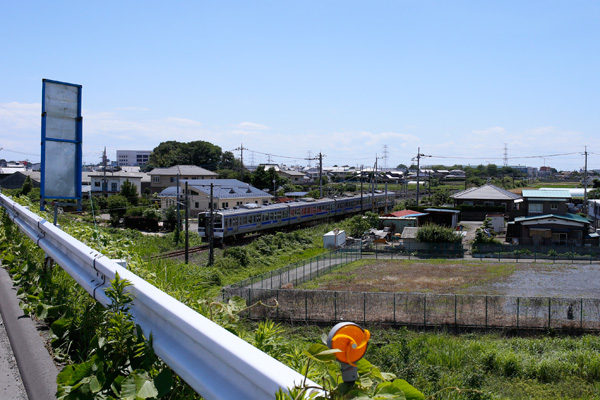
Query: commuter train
{"points": [[252, 218]]}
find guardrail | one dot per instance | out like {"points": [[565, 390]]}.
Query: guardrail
{"points": [[213, 361]]}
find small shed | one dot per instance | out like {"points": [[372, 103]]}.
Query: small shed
{"points": [[334, 239], [409, 235], [497, 222]]}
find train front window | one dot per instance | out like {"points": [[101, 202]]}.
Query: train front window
{"points": [[202, 222]]}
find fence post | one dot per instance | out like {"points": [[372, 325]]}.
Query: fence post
{"points": [[394, 318], [549, 311], [277, 312], [364, 308], [581, 313], [486, 312], [306, 305], [518, 301], [250, 302], [335, 306], [455, 320], [424, 311]]}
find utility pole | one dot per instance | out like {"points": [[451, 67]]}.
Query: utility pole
{"points": [[187, 224], [104, 181], [241, 150], [178, 210], [321, 175], [418, 158], [211, 245], [585, 184]]}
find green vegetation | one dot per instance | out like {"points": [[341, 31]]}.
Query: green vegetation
{"points": [[437, 234], [483, 366]]}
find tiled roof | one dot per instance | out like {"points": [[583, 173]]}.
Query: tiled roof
{"points": [[485, 192], [222, 189], [186, 170]]}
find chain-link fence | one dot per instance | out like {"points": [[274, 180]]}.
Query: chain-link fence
{"points": [[415, 249], [533, 253], [303, 271], [426, 310]]}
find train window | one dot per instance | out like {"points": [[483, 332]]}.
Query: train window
{"points": [[218, 221]]}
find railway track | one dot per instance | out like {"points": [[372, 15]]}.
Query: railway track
{"points": [[179, 253]]}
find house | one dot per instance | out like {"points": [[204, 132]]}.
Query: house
{"points": [[546, 201], [295, 177], [488, 195], [16, 179], [550, 229], [162, 178], [549, 222], [226, 193], [593, 212], [109, 183]]}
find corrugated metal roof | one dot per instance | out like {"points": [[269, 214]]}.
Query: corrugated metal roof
{"points": [[566, 217], [547, 194], [485, 192]]}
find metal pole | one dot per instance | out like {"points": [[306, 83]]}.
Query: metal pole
{"points": [[211, 244], [187, 224]]}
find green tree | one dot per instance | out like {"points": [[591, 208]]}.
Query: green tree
{"points": [[199, 152], [263, 179], [129, 191], [27, 186], [117, 208], [359, 224]]}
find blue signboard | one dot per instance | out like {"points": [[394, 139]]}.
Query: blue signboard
{"points": [[61, 142]]}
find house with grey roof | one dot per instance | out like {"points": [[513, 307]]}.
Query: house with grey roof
{"points": [[162, 178], [226, 194], [489, 195]]}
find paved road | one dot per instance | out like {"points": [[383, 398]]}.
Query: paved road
{"points": [[21, 341], [11, 385]]}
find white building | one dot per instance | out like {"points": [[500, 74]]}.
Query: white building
{"points": [[133, 157]]}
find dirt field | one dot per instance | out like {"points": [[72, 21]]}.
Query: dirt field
{"points": [[465, 277]]}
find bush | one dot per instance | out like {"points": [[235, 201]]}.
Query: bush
{"points": [[437, 234]]}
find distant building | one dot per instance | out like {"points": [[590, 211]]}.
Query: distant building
{"points": [[133, 157], [163, 178], [226, 194]]}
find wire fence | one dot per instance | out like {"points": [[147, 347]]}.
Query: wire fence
{"points": [[303, 271], [533, 253], [280, 301], [426, 310]]}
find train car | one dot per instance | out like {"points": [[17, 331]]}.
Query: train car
{"points": [[253, 218]]}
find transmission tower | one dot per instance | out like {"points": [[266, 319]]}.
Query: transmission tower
{"points": [[385, 157], [506, 154]]}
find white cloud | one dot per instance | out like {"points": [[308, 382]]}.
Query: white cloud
{"points": [[253, 125]]}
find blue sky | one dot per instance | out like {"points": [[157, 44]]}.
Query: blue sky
{"points": [[354, 80]]}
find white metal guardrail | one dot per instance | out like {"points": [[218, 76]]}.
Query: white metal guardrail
{"points": [[213, 361]]}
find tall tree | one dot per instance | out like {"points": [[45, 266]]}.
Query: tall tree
{"points": [[129, 191], [199, 153]]}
